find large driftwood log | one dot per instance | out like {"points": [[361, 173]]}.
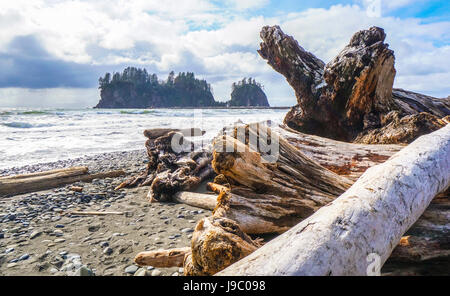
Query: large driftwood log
{"points": [[168, 170], [369, 218], [255, 211], [271, 196], [351, 98], [19, 184], [346, 159]]}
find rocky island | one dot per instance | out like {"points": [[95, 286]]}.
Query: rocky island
{"points": [[248, 93], [136, 88]]}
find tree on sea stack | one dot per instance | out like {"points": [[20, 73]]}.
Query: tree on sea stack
{"points": [[248, 92]]}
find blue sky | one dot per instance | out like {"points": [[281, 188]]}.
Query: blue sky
{"points": [[53, 51]]}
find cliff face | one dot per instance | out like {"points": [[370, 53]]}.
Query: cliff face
{"points": [[122, 95]]}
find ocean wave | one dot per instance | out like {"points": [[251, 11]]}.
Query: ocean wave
{"points": [[16, 124], [33, 112], [138, 112]]}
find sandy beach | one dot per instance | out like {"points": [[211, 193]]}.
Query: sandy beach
{"points": [[39, 236]]}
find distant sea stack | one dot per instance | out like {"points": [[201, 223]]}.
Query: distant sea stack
{"points": [[135, 88], [248, 92]]}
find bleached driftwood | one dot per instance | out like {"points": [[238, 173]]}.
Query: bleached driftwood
{"points": [[19, 184], [199, 200], [346, 159], [367, 221], [271, 197]]}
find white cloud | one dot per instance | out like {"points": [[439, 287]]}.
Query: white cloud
{"points": [[247, 4], [49, 97], [220, 40]]}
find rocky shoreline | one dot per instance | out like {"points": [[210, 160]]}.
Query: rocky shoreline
{"points": [[39, 235]]}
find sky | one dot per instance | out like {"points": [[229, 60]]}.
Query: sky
{"points": [[52, 52]]}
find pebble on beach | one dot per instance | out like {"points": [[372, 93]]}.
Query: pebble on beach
{"points": [[40, 233]]}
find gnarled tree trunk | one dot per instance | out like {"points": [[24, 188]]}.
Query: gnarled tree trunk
{"points": [[351, 98]]}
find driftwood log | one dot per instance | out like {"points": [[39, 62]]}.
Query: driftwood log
{"points": [[351, 98], [168, 170], [199, 200], [427, 239], [258, 202], [162, 258], [19, 184], [368, 220]]}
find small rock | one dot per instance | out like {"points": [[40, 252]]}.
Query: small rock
{"points": [[108, 251], [181, 270], [35, 234], [131, 269], [156, 272], [59, 240], [94, 228], [73, 256], [76, 188], [59, 226], [141, 272], [150, 268], [2, 235], [7, 251], [53, 270], [175, 274], [180, 216], [58, 232], [11, 265], [104, 244], [24, 257], [187, 230], [84, 271]]}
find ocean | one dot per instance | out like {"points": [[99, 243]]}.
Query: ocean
{"points": [[32, 136]]}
